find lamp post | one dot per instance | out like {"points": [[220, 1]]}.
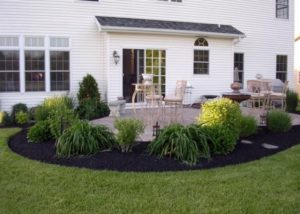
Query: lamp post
{"points": [[156, 129]]}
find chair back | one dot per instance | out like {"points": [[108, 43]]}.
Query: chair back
{"points": [[180, 88], [253, 86], [285, 87]]}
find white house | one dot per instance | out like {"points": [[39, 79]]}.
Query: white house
{"points": [[46, 47], [297, 45]]}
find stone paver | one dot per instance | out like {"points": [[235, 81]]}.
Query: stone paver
{"points": [[246, 142], [269, 146]]}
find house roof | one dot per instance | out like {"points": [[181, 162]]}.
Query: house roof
{"points": [[116, 24]]}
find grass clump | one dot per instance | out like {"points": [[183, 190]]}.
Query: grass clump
{"points": [[184, 143], [248, 126], [128, 131], [278, 121], [83, 139]]}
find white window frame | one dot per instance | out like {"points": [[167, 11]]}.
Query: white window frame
{"points": [[201, 48], [14, 48]]}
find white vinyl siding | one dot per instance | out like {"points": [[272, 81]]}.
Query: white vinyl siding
{"points": [[91, 50]]}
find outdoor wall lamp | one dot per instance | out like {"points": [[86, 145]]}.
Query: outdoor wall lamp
{"points": [[116, 57]]}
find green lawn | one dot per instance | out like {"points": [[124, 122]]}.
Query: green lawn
{"points": [[271, 185]]}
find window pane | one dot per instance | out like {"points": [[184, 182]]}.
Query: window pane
{"points": [[60, 76], [281, 67], [201, 62], [9, 71], [34, 70]]}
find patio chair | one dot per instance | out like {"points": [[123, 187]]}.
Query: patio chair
{"points": [[254, 87], [279, 98], [176, 101]]}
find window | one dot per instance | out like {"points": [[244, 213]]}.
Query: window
{"points": [[281, 67], [60, 70], [201, 57], [282, 9], [9, 71], [34, 70], [9, 41], [239, 67], [156, 65]]}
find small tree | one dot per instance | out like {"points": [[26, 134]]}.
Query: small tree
{"points": [[88, 88], [89, 98]]}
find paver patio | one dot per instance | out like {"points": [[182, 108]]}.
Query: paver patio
{"points": [[187, 116]]}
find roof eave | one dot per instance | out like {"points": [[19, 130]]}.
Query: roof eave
{"points": [[168, 32]]}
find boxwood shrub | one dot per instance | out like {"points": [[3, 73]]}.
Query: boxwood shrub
{"points": [[221, 119], [40, 132]]}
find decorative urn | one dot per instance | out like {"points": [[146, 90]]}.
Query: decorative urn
{"points": [[236, 86]]}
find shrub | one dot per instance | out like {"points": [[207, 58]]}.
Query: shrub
{"points": [[22, 117], [83, 139], [50, 105], [89, 98], [128, 131], [58, 101], [291, 101], [40, 132], [88, 88], [221, 118], [2, 117], [5, 119], [248, 126], [186, 144], [41, 113], [278, 121], [17, 108], [91, 109], [60, 119]]}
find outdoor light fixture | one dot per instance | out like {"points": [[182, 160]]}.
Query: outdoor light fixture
{"points": [[116, 57]]}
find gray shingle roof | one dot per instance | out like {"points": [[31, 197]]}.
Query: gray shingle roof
{"points": [[166, 25]]}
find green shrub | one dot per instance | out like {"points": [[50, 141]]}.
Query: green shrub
{"points": [[221, 118], [291, 101], [60, 119], [248, 126], [58, 101], [128, 131], [2, 117], [83, 139], [43, 112], [17, 108], [89, 99], [22, 117], [186, 144], [5, 119], [91, 109], [40, 132], [88, 88], [278, 121]]}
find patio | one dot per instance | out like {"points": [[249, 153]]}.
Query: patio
{"points": [[187, 116]]}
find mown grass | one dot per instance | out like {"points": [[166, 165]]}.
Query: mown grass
{"points": [[271, 185]]}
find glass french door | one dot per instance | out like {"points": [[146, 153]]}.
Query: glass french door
{"points": [[155, 63], [139, 61]]}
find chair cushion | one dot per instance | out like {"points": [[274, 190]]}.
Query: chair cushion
{"points": [[173, 99]]}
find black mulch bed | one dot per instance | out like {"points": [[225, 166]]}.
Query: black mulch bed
{"points": [[140, 161]]}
